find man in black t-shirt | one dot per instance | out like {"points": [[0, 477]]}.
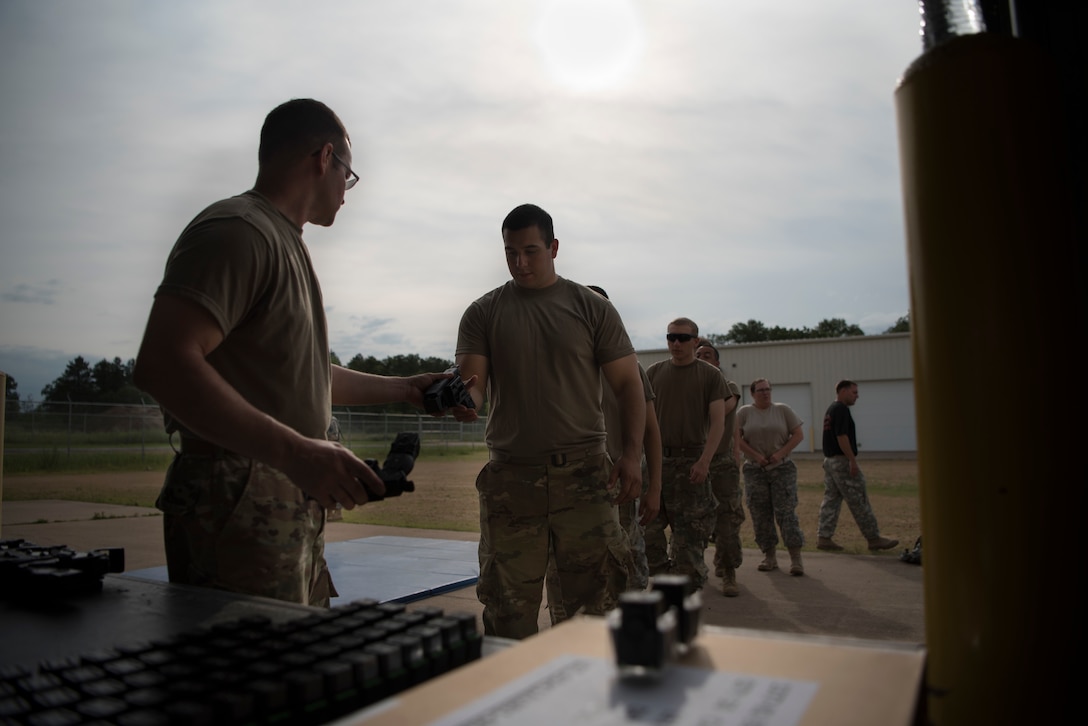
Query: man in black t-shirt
{"points": [[843, 479]]}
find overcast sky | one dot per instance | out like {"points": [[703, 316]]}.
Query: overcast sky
{"points": [[716, 159]]}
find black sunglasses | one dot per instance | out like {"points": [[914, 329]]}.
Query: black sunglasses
{"points": [[682, 337]]}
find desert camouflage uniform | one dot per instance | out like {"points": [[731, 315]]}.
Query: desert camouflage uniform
{"points": [[657, 544], [688, 509], [533, 511], [839, 485], [725, 482], [772, 497], [236, 524]]}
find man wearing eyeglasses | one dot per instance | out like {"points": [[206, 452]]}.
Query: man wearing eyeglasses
{"points": [[539, 347], [236, 354], [690, 403]]}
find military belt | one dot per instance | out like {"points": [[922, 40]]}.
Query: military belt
{"points": [[548, 459], [200, 447], [670, 452]]}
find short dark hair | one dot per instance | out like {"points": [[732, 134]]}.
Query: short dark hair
{"points": [[530, 215], [599, 290], [704, 343], [752, 387], [298, 127], [688, 322], [844, 383]]}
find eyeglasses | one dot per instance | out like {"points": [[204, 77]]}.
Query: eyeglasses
{"points": [[352, 178], [763, 390], [681, 337]]}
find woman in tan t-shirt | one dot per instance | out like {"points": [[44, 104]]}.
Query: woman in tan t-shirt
{"points": [[766, 433]]}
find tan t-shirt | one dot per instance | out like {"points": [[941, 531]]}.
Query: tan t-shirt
{"points": [[545, 349], [725, 448], [684, 394], [245, 263], [767, 429]]}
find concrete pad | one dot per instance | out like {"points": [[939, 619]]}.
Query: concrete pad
{"points": [[862, 596]]}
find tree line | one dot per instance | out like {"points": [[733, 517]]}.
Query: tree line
{"points": [[104, 382], [110, 381], [755, 331]]}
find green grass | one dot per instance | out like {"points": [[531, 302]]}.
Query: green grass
{"points": [[59, 461], [87, 460]]}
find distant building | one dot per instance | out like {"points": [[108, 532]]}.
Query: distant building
{"points": [[803, 374]]}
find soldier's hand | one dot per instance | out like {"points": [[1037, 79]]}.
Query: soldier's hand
{"points": [[464, 414], [331, 474], [418, 385], [626, 480], [649, 506]]}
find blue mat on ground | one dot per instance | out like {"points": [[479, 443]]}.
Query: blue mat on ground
{"points": [[388, 569]]}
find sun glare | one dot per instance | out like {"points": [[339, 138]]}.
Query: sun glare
{"points": [[589, 45]]}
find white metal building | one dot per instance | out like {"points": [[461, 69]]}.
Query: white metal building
{"points": [[803, 374]]}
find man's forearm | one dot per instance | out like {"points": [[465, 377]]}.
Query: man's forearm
{"points": [[632, 404], [845, 448], [355, 388], [713, 438]]}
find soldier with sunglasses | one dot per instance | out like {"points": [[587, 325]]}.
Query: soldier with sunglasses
{"points": [[690, 402]]}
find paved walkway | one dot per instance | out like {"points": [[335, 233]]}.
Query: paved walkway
{"points": [[861, 596]]}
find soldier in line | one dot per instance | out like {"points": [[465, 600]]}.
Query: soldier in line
{"points": [[691, 413], [634, 516], [767, 432], [725, 481], [549, 487]]}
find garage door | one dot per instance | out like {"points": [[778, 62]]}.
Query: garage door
{"points": [[884, 415]]}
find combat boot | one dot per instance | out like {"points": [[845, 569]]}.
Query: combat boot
{"points": [[826, 543], [729, 583], [882, 543], [796, 568], [770, 561]]}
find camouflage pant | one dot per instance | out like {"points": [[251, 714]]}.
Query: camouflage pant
{"points": [[688, 510], [638, 574], [528, 513], [839, 485], [235, 524], [772, 497], [725, 481]]}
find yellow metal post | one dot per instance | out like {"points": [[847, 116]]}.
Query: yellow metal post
{"points": [[997, 314]]}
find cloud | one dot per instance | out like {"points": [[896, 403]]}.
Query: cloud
{"points": [[41, 293], [744, 167]]}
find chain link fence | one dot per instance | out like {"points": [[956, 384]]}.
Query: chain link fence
{"points": [[33, 426]]}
